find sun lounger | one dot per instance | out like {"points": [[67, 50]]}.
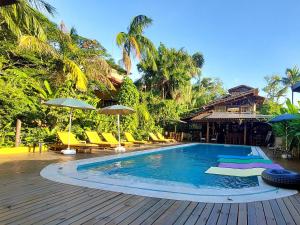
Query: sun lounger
{"points": [[110, 138], [95, 139], [155, 139], [161, 137], [235, 172], [222, 160], [74, 143], [250, 165], [130, 138]]}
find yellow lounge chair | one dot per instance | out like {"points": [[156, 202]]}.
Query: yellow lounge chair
{"points": [[161, 137], [109, 137], [95, 139], [74, 143], [130, 138], [155, 139]]}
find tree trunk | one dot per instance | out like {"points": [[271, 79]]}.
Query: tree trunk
{"points": [[292, 97], [18, 133]]}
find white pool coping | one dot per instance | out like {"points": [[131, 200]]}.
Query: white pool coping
{"points": [[67, 173]]}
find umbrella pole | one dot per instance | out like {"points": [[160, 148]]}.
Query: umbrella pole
{"points": [[119, 135], [70, 125]]}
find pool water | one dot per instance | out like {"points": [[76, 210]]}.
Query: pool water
{"points": [[186, 165]]}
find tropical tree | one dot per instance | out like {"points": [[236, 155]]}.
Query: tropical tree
{"points": [[275, 89], [175, 68], [70, 61], [135, 44], [21, 18], [292, 77]]}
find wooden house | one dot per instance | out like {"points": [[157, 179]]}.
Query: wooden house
{"points": [[232, 119]]}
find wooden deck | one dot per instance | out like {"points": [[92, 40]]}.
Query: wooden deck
{"points": [[27, 198]]}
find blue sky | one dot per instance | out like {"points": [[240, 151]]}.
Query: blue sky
{"points": [[242, 40]]}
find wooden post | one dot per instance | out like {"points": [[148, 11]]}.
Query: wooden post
{"points": [[18, 133], [245, 133], [207, 132]]}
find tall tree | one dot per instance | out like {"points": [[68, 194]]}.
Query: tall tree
{"points": [[274, 88], [135, 44], [292, 77], [175, 68], [21, 18], [72, 59]]}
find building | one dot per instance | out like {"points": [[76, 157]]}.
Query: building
{"points": [[232, 119]]}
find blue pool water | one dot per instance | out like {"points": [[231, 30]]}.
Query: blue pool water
{"points": [[184, 164]]}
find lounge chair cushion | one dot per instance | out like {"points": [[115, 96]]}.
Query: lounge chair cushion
{"points": [[109, 137], [154, 138], [64, 138], [95, 139], [130, 138]]}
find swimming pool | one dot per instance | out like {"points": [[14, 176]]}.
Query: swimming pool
{"points": [[176, 172], [186, 165]]}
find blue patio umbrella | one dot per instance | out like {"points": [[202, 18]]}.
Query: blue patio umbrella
{"points": [[72, 104], [284, 118]]}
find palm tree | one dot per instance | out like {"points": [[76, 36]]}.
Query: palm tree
{"points": [[69, 65], [20, 17], [292, 77], [133, 42]]}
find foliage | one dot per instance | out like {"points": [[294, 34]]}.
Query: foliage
{"points": [[175, 68], [134, 43], [40, 60]]}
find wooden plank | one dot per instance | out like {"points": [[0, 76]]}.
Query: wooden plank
{"points": [[108, 216], [224, 214], [171, 215], [295, 203], [151, 219], [149, 212], [285, 212], [251, 214], [294, 213], [276, 212], [35, 202], [270, 219], [242, 215], [87, 218], [84, 207], [213, 216], [46, 210], [195, 214], [13, 193], [233, 214], [41, 191], [186, 214], [205, 214], [260, 215], [19, 212], [137, 212]]}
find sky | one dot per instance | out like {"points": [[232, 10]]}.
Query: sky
{"points": [[242, 40]]}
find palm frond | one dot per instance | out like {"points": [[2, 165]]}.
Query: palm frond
{"points": [[135, 47], [75, 74], [138, 24], [43, 6], [22, 17], [33, 44], [98, 69], [121, 38]]}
